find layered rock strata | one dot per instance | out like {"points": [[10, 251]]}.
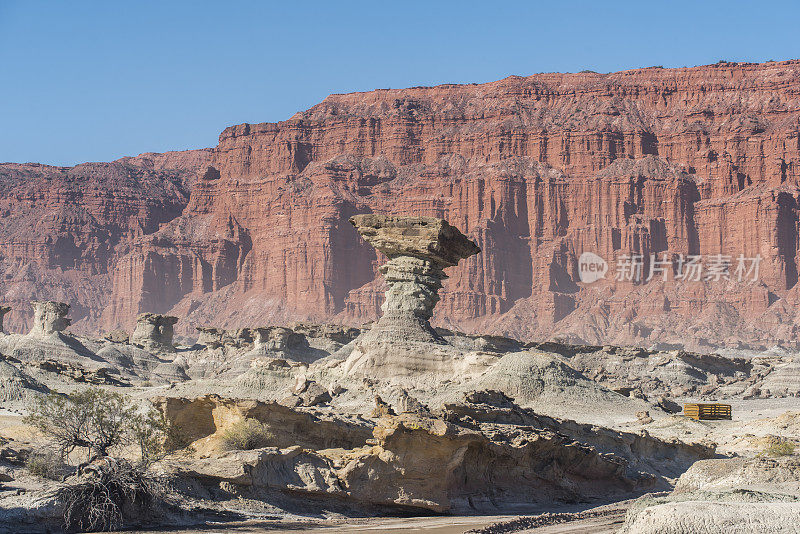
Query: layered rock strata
{"points": [[64, 228], [484, 453], [418, 249], [536, 170]]}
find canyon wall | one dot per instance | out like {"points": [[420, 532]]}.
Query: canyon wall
{"points": [[536, 170], [62, 227]]}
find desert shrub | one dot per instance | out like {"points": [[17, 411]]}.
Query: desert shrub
{"points": [[148, 432], [110, 496], [176, 439], [780, 448], [107, 491], [246, 435], [98, 422], [46, 464]]}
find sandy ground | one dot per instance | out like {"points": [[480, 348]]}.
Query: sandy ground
{"points": [[610, 518], [433, 525], [429, 525]]}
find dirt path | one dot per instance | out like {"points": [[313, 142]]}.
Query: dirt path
{"points": [[429, 525], [601, 520]]}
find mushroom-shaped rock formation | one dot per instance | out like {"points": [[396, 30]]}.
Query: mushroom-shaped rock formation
{"points": [[402, 342], [49, 317], [3, 311], [214, 338], [418, 248], [154, 331]]}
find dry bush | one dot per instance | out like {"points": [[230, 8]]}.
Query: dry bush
{"points": [[111, 496], [246, 435]]}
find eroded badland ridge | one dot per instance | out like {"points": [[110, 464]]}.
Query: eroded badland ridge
{"points": [[536, 170]]}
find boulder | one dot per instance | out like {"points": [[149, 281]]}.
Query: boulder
{"points": [[278, 338], [117, 336], [314, 395], [669, 405], [217, 337]]}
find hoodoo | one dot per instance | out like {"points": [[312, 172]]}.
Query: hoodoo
{"points": [[49, 317], [419, 249], [154, 331]]}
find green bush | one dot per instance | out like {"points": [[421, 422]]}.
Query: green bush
{"points": [[780, 448], [99, 422], [46, 464], [246, 435]]}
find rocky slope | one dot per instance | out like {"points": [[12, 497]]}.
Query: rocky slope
{"points": [[535, 170], [727, 495]]}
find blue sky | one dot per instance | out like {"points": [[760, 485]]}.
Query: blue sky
{"points": [[94, 81]]}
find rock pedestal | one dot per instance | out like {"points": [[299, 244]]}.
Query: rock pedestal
{"points": [[402, 341], [49, 317], [154, 331], [277, 338], [3, 311], [215, 338], [418, 248]]}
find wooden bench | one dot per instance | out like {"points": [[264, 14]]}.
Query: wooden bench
{"points": [[707, 411]]}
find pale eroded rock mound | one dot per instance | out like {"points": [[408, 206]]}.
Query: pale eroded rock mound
{"points": [[735, 495], [16, 385], [49, 347], [154, 331], [542, 382], [49, 317]]}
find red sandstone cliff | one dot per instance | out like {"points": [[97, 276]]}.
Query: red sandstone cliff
{"points": [[703, 160], [62, 226]]}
